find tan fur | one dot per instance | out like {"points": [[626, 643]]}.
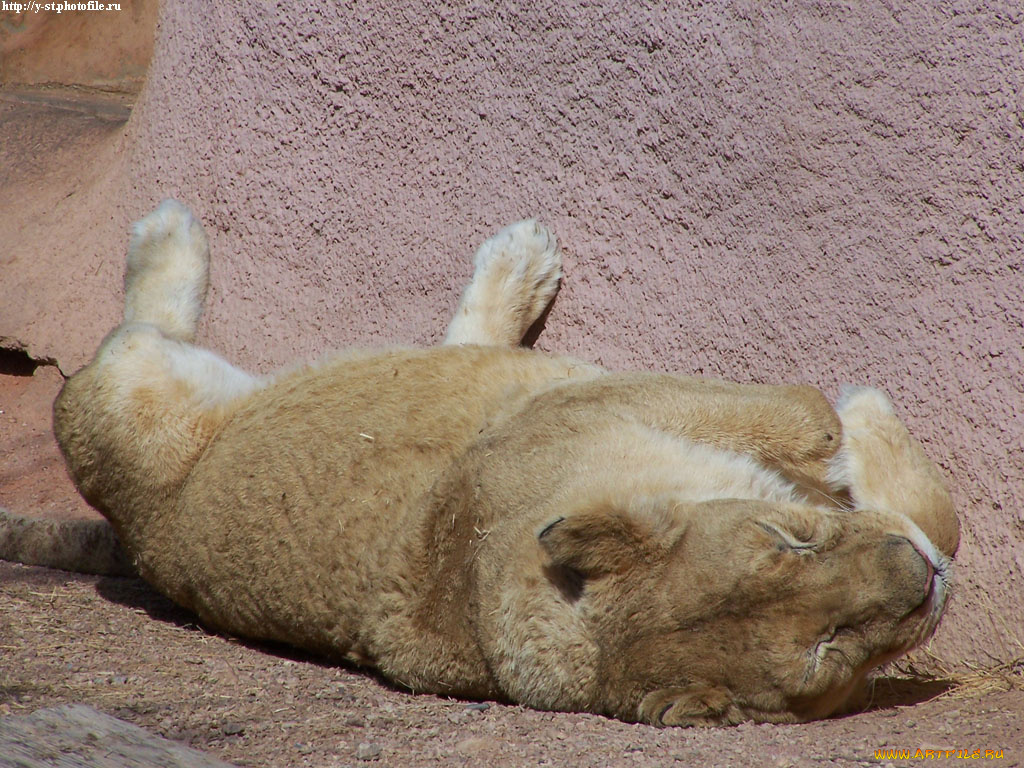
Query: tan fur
{"points": [[484, 521], [83, 546], [517, 273]]}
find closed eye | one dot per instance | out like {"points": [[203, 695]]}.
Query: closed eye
{"points": [[787, 540], [828, 644]]}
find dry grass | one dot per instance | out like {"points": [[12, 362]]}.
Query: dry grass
{"points": [[965, 679], [970, 679], [924, 675]]}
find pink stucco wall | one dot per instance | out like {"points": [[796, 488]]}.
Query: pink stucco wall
{"points": [[824, 192]]}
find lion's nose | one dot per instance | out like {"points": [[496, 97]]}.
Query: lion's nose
{"points": [[909, 572], [929, 584]]}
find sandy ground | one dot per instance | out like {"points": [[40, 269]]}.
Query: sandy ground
{"points": [[118, 646], [115, 645]]}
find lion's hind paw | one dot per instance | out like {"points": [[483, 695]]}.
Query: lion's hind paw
{"points": [[167, 271], [523, 257], [516, 276]]}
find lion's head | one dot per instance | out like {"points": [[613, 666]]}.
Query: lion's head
{"points": [[714, 613]]}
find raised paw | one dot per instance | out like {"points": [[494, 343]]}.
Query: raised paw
{"points": [[516, 277], [884, 468], [167, 271], [523, 257], [873, 438]]}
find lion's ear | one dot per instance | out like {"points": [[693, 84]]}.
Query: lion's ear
{"points": [[608, 538], [693, 705]]}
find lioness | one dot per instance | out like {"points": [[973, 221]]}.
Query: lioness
{"points": [[486, 521]]}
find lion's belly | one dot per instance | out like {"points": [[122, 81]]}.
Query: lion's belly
{"points": [[284, 529]]}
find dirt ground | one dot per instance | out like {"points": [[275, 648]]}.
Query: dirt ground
{"points": [[116, 645]]}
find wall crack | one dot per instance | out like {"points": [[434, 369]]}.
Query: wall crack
{"points": [[16, 360]]}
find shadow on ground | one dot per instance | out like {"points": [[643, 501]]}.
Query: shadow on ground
{"points": [[891, 691]]}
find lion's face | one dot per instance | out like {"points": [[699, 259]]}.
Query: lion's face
{"points": [[734, 610]]}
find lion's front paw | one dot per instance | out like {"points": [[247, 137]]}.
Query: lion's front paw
{"points": [[516, 277], [694, 705], [869, 425], [858, 407], [167, 270], [884, 468]]}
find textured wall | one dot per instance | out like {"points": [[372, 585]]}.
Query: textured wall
{"points": [[824, 192]]}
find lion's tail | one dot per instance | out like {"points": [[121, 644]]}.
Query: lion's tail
{"points": [[82, 546], [168, 271]]}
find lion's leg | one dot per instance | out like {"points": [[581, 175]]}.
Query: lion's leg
{"points": [[791, 429], [883, 467], [859, 449], [167, 271], [133, 421], [516, 276], [166, 280]]}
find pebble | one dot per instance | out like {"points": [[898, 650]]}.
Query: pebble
{"points": [[336, 692], [474, 745], [232, 729], [367, 751]]}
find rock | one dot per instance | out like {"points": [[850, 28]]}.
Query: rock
{"points": [[367, 751]]}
